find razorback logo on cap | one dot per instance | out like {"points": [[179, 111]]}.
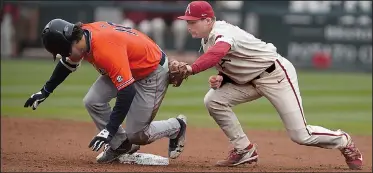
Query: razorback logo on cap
{"points": [[187, 9], [197, 10]]}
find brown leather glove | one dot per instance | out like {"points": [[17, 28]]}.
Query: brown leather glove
{"points": [[178, 71]]}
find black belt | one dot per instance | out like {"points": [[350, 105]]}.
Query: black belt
{"points": [[270, 69], [163, 59], [226, 79]]}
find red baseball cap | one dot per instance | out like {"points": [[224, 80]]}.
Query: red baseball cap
{"points": [[197, 10]]}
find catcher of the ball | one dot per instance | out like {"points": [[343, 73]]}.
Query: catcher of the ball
{"points": [[178, 71]]}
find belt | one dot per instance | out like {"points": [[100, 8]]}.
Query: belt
{"points": [[163, 62], [226, 79], [163, 59], [270, 69]]}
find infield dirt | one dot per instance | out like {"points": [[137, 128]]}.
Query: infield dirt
{"points": [[62, 145]]}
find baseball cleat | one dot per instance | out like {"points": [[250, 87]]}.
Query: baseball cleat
{"points": [[176, 146], [354, 158], [109, 155], [236, 157], [134, 149]]}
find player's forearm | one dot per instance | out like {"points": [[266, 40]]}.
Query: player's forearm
{"points": [[211, 57], [64, 67], [59, 74], [124, 100]]}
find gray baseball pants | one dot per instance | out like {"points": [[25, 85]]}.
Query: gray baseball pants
{"points": [[139, 126]]}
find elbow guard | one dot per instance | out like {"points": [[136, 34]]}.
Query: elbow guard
{"points": [[72, 66]]}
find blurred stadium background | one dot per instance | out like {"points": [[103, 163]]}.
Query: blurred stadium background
{"points": [[330, 43]]}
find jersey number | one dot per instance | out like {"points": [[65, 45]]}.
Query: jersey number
{"points": [[122, 28]]}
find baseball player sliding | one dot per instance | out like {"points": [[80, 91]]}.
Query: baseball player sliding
{"points": [[134, 70], [249, 69]]}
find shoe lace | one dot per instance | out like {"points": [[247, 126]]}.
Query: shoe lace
{"points": [[351, 152]]}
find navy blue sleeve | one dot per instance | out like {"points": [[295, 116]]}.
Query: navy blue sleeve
{"points": [[122, 105], [59, 74]]}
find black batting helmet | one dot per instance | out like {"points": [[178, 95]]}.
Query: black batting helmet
{"points": [[57, 37]]}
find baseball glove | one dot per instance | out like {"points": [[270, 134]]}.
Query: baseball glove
{"points": [[178, 71]]}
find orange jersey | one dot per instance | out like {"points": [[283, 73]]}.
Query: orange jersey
{"points": [[122, 53]]}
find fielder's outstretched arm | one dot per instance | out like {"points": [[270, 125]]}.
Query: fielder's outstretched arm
{"points": [[180, 71], [64, 67], [211, 57]]}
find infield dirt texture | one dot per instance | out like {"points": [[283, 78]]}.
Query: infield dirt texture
{"points": [[61, 145]]}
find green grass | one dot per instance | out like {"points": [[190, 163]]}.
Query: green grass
{"points": [[333, 100]]}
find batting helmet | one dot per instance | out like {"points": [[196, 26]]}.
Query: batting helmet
{"points": [[57, 37]]}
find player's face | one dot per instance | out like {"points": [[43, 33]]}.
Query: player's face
{"points": [[78, 49], [198, 28]]}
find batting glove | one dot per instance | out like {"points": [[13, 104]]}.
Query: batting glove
{"points": [[100, 140], [36, 99]]}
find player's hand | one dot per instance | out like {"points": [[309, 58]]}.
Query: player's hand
{"points": [[178, 71], [215, 81], [36, 99], [100, 140]]}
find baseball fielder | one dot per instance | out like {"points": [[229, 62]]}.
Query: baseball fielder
{"points": [[133, 69], [250, 68]]}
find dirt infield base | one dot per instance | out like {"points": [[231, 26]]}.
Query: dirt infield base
{"points": [[57, 145]]}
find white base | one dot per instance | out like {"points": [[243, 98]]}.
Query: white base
{"points": [[142, 159]]}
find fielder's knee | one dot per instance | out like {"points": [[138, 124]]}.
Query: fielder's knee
{"points": [[207, 100], [138, 138], [212, 104]]}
